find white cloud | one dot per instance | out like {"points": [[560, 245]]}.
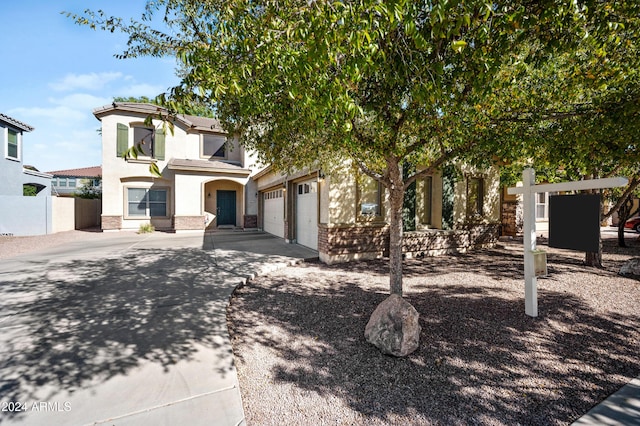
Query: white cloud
{"points": [[91, 81], [142, 89], [57, 114], [81, 101]]}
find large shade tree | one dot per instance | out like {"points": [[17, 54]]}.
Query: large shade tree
{"points": [[578, 115], [381, 84]]}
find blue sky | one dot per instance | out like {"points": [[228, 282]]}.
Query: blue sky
{"points": [[54, 73]]}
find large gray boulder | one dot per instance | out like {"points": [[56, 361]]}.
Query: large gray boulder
{"points": [[631, 267], [393, 327]]}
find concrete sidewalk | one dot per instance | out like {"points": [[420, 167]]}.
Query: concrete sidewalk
{"points": [[620, 409], [132, 332]]}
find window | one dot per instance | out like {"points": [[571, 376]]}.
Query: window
{"points": [[542, 205], [149, 139], [369, 193], [306, 188], [144, 202], [143, 138], [72, 182], [271, 195], [475, 197], [62, 182], [428, 184], [13, 148], [214, 146]]}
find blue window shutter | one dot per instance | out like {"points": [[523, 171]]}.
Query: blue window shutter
{"points": [[122, 139]]}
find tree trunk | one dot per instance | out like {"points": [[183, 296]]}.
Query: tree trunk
{"points": [[624, 213], [594, 259], [621, 241], [396, 198]]}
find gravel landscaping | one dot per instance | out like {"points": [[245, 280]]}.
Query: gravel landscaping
{"points": [[298, 339]]}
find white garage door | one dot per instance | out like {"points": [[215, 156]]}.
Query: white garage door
{"points": [[307, 214], [274, 212]]}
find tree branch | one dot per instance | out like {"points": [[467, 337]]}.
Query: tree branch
{"points": [[443, 158], [635, 182]]}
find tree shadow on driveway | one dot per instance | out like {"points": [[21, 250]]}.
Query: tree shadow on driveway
{"points": [[68, 326]]}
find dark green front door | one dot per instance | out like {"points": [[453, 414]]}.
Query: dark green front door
{"points": [[226, 209]]}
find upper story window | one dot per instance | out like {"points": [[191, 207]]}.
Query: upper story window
{"points": [[13, 144], [148, 139], [214, 146], [143, 137]]}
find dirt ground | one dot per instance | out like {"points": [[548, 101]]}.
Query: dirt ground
{"points": [[298, 339]]}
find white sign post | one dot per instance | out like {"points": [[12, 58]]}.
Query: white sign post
{"points": [[528, 191]]}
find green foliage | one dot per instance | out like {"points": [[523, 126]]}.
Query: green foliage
{"points": [[29, 190], [195, 108], [89, 191], [449, 175], [146, 228]]}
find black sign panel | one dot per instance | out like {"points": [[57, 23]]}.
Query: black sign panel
{"points": [[574, 222]]}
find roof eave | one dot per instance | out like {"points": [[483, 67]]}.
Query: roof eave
{"points": [[216, 170]]}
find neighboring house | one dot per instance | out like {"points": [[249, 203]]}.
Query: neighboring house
{"points": [[511, 215], [27, 215], [209, 180], [205, 172], [70, 182]]}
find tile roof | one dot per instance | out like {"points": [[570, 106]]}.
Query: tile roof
{"points": [[207, 166], [95, 171], [16, 123], [189, 121]]}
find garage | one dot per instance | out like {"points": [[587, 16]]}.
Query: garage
{"points": [[274, 212], [307, 214]]}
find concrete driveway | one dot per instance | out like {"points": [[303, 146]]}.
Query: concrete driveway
{"points": [[126, 328]]}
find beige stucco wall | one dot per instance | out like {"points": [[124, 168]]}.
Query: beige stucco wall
{"points": [[118, 174], [341, 198], [63, 214], [186, 195], [491, 202], [69, 213]]}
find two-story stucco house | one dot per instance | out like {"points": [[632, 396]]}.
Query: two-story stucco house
{"points": [[209, 180], [28, 215], [205, 172]]}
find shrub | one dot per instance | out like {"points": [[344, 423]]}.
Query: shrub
{"points": [[146, 228]]}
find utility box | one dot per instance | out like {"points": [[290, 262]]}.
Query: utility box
{"points": [[539, 263]]}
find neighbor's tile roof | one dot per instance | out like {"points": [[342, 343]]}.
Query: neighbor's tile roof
{"points": [[16, 123], [95, 171]]}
